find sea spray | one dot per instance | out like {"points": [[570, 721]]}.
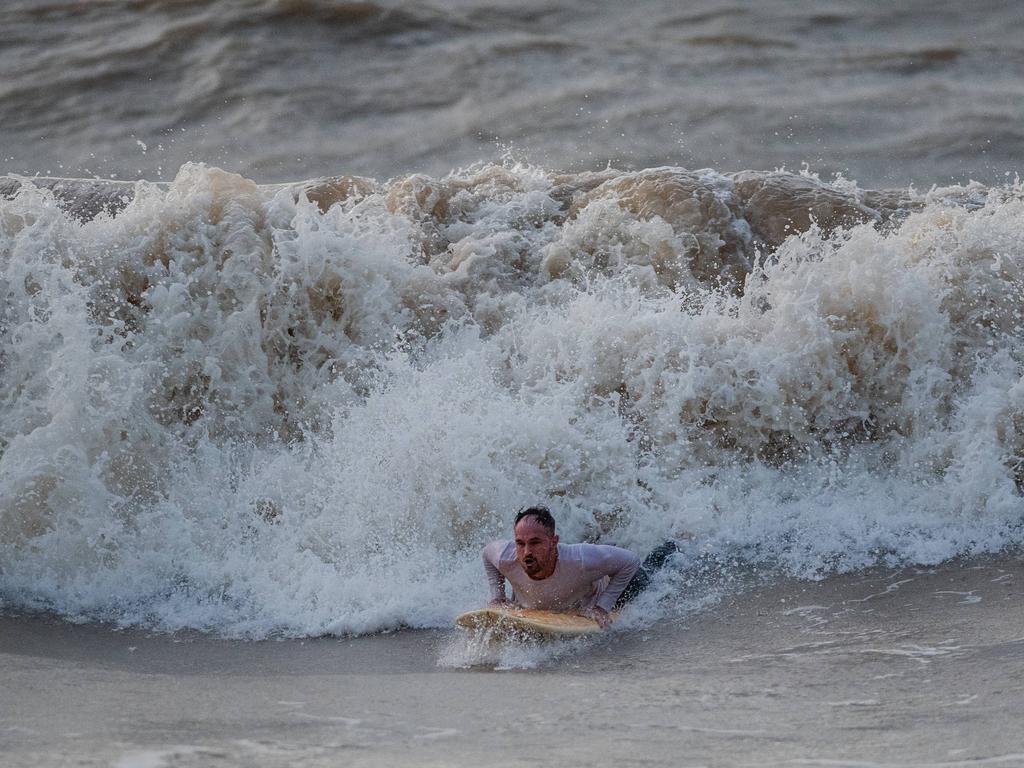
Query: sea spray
{"points": [[302, 409]]}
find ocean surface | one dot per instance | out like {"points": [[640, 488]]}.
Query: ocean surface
{"points": [[371, 277], [920, 91], [911, 668]]}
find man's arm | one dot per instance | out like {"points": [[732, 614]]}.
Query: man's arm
{"points": [[619, 564], [495, 580]]}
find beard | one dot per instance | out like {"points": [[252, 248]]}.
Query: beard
{"points": [[532, 566]]}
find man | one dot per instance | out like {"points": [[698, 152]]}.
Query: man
{"points": [[589, 578]]}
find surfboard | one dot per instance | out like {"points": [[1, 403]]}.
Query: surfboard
{"points": [[514, 623]]}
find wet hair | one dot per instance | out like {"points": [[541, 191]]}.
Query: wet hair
{"points": [[541, 514]]}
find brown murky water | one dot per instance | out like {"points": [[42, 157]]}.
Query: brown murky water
{"points": [[922, 667]]}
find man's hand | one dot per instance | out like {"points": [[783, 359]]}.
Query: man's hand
{"points": [[499, 602], [600, 615]]}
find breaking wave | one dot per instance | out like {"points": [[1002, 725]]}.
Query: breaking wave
{"points": [[301, 409]]}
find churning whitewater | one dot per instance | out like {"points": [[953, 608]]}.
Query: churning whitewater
{"points": [[301, 409]]}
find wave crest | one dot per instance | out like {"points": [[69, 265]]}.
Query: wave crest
{"points": [[234, 407]]}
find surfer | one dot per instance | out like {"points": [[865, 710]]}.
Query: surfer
{"points": [[592, 579]]}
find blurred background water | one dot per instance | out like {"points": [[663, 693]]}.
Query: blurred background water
{"points": [[889, 94]]}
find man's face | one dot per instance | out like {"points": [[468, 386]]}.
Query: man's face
{"points": [[536, 549]]}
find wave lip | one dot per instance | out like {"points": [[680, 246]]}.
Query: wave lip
{"points": [[301, 408]]}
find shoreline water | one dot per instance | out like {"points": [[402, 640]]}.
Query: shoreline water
{"points": [[920, 666]]}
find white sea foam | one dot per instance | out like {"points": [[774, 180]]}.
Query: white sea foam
{"points": [[233, 408]]}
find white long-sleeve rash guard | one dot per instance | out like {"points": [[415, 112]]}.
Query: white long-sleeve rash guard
{"points": [[585, 575]]}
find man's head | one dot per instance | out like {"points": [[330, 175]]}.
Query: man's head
{"points": [[536, 542]]}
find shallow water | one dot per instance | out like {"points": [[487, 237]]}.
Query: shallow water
{"points": [[880, 669]]}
